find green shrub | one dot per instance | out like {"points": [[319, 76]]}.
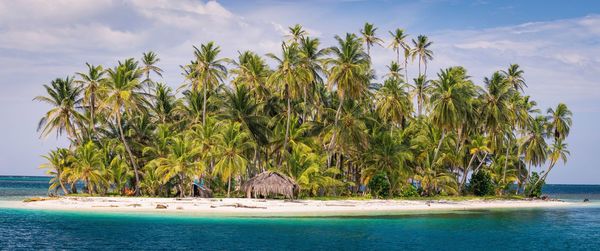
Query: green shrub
{"points": [[409, 191], [379, 186], [534, 192], [481, 184]]}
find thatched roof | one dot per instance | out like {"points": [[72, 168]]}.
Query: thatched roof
{"points": [[271, 183]]}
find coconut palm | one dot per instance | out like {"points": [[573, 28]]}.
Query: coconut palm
{"points": [[558, 151], [90, 82], [392, 102], [59, 161], [150, 59], [251, 70], [514, 76], [288, 78], [369, 38], [398, 43], [394, 71], [123, 95], [297, 33], [181, 163], [534, 144], [421, 87], [560, 121], [348, 73], [64, 116], [233, 143], [87, 167], [207, 71], [421, 50]]}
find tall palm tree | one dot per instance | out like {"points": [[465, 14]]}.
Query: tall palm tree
{"points": [[421, 49], [392, 102], [311, 59], [394, 71], [251, 70], [208, 71], [421, 87], [233, 143], [150, 59], [560, 121], [288, 79], [369, 38], [534, 145], [450, 95], [64, 97], [297, 33], [90, 82], [123, 95], [514, 76], [348, 73], [398, 43]]}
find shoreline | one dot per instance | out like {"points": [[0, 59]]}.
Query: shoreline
{"points": [[242, 207]]}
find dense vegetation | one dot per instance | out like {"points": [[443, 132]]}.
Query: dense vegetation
{"points": [[317, 114]]}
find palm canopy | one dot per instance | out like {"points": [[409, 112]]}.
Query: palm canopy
{"points": [[398, 42], [369, 37], [64, 116], [421, 50], [560, 121]]}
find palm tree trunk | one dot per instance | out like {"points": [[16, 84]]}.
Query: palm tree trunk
{"points": [[464, 178], [419, 65], [437, 150], [92, 112], [204, 105], [287, 124], [543, 178], [131, 159], [505, 166], [406, 68], [337, 118], [398, 55], [228, 185], [480, 164]]}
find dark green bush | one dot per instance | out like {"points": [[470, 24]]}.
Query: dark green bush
{"points": [[534, 192], [481, 184], [409, 191], [379, 186]]}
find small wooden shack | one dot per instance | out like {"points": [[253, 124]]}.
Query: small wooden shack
{"points": [[271, 183]]}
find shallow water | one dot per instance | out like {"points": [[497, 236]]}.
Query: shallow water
{"points": [[556, 228]]}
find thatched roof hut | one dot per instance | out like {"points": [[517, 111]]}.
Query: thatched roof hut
{"points": [[270, 183]]}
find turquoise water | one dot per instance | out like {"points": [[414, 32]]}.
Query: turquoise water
{"points": [[559, 228]]}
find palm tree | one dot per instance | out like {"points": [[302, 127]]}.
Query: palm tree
{"points": [[514, 76], [233, 143], [90, 82], [534, 145], [420, 89], [558, 151], [369, 37], [349, 72], [87, 166], [560, 121], [394, 71], [123, 95], [421, 49], [181, 162], [64, 97], [288, 78], [59, 162], [398, 37], [208, 71], [311, 59], [392, 102], [251, 70], [450, 94], [296, 33], [150, 59]]}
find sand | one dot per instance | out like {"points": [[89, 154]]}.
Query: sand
{"points": [[258, 207]]}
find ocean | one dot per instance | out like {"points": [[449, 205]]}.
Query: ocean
{"points": [[573, 228]]}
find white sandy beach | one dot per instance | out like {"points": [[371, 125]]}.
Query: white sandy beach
{"points": [[258, 207]]}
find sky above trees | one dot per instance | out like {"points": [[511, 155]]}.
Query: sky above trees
{"points": [[557, 47]]}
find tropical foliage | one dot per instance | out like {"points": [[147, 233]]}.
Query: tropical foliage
{"points": [[318, 114]]}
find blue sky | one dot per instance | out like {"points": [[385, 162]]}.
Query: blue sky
{"points": [[556, 43]]}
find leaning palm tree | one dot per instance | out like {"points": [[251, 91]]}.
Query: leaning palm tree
{"points": [[369, 38], [534, 145], [348, 73], [64, 97], [123, 95], [59, 162], [90, 82], [421, 50], [208, 71], [233, 143], [560, 121], [150, 59], [398, 43], [558, 151]]}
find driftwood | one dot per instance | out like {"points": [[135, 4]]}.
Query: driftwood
{"points": [[161, 206], [239, 205]]}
